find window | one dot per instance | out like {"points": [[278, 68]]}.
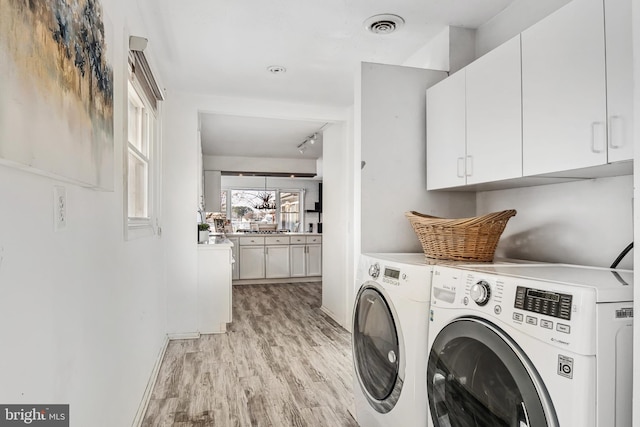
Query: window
{"points": [[141, 123], [142, 158], [262, 209]]}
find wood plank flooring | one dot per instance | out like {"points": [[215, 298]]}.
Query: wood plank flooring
{"points": [[281, 363]]}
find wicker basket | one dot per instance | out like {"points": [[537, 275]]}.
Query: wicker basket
{"points": [[464, 239]]}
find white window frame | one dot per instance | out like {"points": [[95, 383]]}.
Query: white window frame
{"points": [[302, 191], [136, 227]]}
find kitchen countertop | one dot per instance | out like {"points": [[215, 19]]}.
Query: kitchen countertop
{"points": [[216, 242]]}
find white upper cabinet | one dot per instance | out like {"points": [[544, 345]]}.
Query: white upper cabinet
{"points": [[494, 115], [564, 91], [619, 78], [446, 129]]}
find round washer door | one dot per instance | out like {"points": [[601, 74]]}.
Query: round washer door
{"points": [[477, 376], [377, 351]]}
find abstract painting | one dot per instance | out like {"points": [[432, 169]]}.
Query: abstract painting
{"points": [[56, 90]]}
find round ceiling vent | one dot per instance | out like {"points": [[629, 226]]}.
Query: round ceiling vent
{"points": [[276, 69], [383, 24]]}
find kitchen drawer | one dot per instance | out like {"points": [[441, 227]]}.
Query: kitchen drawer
{"points": [[298, 240], [279, 240], [314, 239], [254, 240]]}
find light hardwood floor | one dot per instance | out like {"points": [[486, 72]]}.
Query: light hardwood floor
{"points": [[281, 363]]}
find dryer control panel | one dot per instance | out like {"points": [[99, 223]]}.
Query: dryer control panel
{"points": [[552, 304]]}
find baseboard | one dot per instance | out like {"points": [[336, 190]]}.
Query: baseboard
{"points": [[329, 313], [146, 397], [184, 336]]}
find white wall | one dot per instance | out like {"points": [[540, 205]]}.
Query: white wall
{"points": [[393, 126], [450, 50], [82, 311], [585, 222], [259, 164], [336, 278]]}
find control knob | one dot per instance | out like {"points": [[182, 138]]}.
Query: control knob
{"points": [[480, 292], [374, 270]]}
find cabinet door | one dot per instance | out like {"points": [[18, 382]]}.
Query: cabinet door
{"points": [[494, 115], [251, 262], [314, 260], [298, 260], [563, 90], [446, 133], [619, 78], [276, 261]]}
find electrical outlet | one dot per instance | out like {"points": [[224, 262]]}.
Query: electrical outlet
{"points": [[59, 208]]}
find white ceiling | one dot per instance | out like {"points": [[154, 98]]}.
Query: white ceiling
{"points": [[223, 48]]}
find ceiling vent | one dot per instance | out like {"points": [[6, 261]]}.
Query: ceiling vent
{"points": [[276, 69], [383, 24]]}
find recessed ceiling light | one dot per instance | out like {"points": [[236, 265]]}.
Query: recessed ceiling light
{"points": [[276, 69], [383, 24]]}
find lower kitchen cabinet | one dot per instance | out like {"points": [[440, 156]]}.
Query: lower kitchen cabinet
{"points": [[276, 261], [278, 257], [252, 262], [314, 260], [306, 259]]}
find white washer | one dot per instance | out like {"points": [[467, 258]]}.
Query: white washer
{"points": [[389, 339], [530, 345]]}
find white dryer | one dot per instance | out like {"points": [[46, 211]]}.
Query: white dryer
{"points": [[530, 345], [389, 340]]}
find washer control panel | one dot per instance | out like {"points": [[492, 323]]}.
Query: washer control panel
{"points": [[548, 303], [391, 276]]}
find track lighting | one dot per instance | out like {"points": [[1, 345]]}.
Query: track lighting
{"points": [[302, 147]]}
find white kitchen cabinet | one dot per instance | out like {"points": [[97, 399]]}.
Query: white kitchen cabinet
{"points": [[214, 287], [563, 90], [252, 262], [446, 133], [619, 55], [314, 260], [276, 253], [306, 256], [494, 115], [298, 256]]}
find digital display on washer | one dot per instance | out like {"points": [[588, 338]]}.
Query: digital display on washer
{"points": [[391, 273], [544, 302]]}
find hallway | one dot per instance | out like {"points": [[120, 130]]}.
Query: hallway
{"points": [[282, 363]]}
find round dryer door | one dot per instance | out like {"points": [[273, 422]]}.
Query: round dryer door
{"points": [[376, 349], [477, 376]]}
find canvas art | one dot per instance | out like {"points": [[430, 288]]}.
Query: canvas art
{"points": [[56, 90]]}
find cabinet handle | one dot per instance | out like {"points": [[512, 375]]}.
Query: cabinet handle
{"points": [[616, 132], [469, 166], [460, 167], [598, 137]]}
